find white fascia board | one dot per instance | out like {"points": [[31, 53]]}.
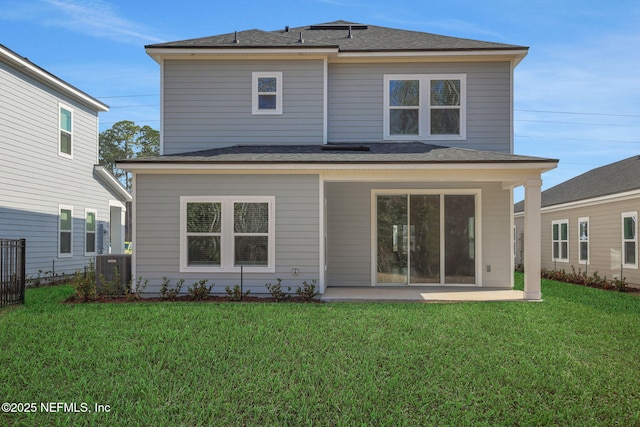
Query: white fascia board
{"points": [[50, 80], [541, 166], [112, 182], [158, 54], [520, 54]]}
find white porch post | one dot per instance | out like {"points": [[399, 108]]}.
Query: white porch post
{"points": [[532, 230]]}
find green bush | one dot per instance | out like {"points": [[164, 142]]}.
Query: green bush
{"points": [[308, 291], [170, 293], [199, 291], [277, 294], [235, 294]]}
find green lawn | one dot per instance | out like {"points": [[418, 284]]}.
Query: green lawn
{"points": [[573, 359]]}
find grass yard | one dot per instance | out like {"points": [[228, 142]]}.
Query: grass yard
{"points": [[573, 359]]}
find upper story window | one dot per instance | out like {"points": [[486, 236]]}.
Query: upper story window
{"points": [[560, 240], [424, 106], [65, 144], [266, 93], [225, 233]]}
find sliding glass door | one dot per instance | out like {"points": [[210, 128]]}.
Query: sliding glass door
{"points": [[419, 236]]}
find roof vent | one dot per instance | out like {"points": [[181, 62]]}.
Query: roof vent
{"points": [[286, 28], [300, 40], [349, 35], [235, 38]]}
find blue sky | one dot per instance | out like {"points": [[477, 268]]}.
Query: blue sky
{"points": [[577, 93]]}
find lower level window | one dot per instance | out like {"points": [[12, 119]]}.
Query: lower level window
{"points": [[226, 233], [560, 240], [630, 239], [583, 237], [65, 231]]}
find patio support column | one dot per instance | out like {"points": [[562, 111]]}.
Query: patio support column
{"points": [[532, 230]]}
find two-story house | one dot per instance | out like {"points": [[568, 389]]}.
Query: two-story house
{"points": [[52, 193], [355, 155]]}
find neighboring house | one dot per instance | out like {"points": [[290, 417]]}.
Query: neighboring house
{"points": [[590, 222], [52, 193], [351, 154]]}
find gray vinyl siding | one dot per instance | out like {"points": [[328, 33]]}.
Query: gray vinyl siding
{"points": [[35, 180], [605, 240], [349, 231], [158, 227], [356, 101], [207, 104]]}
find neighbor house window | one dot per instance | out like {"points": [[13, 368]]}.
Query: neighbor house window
{"points": [[90, 231], [65, 231], [225, 233], [630, 239], [65, 132], [421, 106], [560, 240], [583, 240], [267, 93]]}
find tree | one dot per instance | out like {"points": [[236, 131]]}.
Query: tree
{"points": [[126, 140]]}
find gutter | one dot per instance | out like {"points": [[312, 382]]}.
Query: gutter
{"points": [[112, 182]]}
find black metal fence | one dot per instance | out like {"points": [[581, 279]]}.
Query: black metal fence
{"points": [[12, 271]]}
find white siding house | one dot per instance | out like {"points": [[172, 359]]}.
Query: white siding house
{"points": [[589, 223], [51, 191], [349, 154]]}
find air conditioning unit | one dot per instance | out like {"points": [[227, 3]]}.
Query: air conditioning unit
{"points": [[113, 269]]}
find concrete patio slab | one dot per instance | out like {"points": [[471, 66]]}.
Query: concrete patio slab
{"points": [[421, 294]]}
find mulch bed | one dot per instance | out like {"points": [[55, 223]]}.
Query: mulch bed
{"points": [[184, 298]]}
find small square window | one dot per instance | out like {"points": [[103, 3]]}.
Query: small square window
{"points": [[266, 93]]}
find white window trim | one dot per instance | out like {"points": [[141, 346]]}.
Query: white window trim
{"points": [[424, 108], [95, 232], [587, 241], [68, 108], [633, 214], [560, 222], [227, 234], [68, 208], [255, 110]]}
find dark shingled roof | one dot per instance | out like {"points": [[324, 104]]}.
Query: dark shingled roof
{"points": [[613, 178], [379, 152], [366, 38]]}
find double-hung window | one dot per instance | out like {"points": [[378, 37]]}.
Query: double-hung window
{"points": [[90, 231], [630, 239], [225, 233], [65, 231], [65, 144], [424, 106], [266, 92], [560, 240], [583, 240]]}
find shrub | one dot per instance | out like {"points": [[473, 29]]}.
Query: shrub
{"points": [[620, 284], [129, 292], [308, 290], [170, 293], [85, 286], [199, 291], [276, 291], [235, 294]]}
